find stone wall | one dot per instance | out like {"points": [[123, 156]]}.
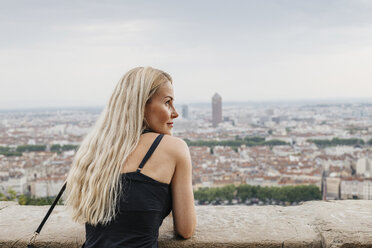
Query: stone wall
{"points": [[345, 223]]}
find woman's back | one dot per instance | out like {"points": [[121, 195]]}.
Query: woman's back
{"points": [[144, 202]]}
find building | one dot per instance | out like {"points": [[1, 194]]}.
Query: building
{"points": [[353, 188], [367, 189], [46, 187], [18, 184], [364, 167], [333, 188], [185, 111], [216, 109]]}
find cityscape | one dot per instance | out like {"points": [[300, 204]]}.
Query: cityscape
{"points": [[260, 144]]}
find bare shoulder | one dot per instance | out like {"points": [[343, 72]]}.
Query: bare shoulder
{"points": [[175, 146], [175, 141]]}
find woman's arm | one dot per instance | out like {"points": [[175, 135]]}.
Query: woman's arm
{"points": [[184, 217]]}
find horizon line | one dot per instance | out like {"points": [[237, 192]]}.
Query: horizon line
{"points": [[315, 101]]}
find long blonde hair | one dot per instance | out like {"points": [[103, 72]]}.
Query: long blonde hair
{"points": [[93, 183]]}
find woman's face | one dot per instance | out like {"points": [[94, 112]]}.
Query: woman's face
{"points": [[160, 111]]}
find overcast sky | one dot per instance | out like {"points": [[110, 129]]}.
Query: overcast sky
{"points": [[72, 53]]}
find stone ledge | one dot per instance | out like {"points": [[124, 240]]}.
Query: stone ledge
{"points": [[313, 224]]}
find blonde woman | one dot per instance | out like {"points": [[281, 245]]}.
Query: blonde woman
{"points": [[130, 172]]}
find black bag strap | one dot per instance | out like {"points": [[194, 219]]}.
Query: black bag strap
{"points": [[38, 230]]}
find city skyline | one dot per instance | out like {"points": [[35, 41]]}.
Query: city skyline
{"points": [[264, 145], [73, 54]]}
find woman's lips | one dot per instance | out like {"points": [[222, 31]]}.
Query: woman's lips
{"points": [[170, 124]]}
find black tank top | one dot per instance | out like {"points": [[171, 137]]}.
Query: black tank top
{"points": [[143, 205]]}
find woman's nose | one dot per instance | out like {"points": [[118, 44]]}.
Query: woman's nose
{"points": [[174, 113]]}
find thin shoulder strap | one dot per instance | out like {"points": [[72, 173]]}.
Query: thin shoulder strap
{"points": [[150, 151], [148, 131]]}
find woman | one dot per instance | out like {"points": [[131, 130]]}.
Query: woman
{"points": [[130, 172]]}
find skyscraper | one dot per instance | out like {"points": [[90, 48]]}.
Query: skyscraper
{"points": [[185, 111], [216, 109]]}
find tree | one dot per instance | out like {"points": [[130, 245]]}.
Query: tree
{"points": [[278, 193], [211, 193], [55, 148], [337, 141], [254, 139], [275, 142], [226, 192], [3, 197], [264, 193], [244, 192], [31, 148], [201, 195], [69, 147], [4, 149], [41, 201], [12, 194], [22, 200]]}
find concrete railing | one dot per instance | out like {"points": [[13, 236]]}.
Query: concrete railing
{"points": [[313, 224]]}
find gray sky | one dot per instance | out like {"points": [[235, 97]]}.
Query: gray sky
{"points": [[72, 53]]}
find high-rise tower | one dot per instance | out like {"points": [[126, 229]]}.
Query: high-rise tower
{"points": [[216, 109], [185, 111]]}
